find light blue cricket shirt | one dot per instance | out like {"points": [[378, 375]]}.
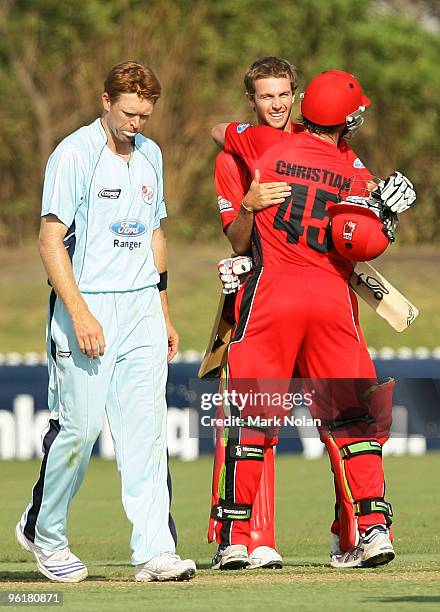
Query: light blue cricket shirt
{"points": [[110, 206]]}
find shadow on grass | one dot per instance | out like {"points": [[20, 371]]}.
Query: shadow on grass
{"points": [[408, 598], [207, 566], [24, 577]]}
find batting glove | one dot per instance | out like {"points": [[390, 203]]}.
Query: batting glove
{"points": [[231, 269], [397, 192]]}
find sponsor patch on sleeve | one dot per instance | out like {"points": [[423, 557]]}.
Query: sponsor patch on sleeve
{"points": [[358, 163], [224, 204], [241, 127]]}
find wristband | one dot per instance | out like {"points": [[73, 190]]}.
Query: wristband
{"points": [[163, 281], [251, 210]]}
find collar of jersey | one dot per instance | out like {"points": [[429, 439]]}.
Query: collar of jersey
{"points": [[102, 136]]}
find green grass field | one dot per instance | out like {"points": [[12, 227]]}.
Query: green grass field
{"points": [[194, 294], [99, 534]]}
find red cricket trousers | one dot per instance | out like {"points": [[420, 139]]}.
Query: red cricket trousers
{"points": [[292, 319]]}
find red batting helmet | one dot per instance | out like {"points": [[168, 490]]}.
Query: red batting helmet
{"points": [[357, 232], [332, 97]]}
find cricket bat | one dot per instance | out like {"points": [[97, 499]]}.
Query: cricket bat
{"points": [[217, 350], [389, 303]]}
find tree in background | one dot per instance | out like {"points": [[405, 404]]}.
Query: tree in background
{"points": [[55, 53]]}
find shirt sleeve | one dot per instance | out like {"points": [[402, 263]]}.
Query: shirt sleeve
{"points": [[232, 182], [161, 211], [250, 143], [64, 185], [240, 139]]}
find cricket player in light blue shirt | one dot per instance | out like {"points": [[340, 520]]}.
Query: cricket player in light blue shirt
{"points": [[109, 330]]}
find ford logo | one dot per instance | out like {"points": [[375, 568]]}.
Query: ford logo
{"points": [[128, 227]]}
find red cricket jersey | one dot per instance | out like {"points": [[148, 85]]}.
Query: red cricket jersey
{"points": [[232, 179], [297, 231]]}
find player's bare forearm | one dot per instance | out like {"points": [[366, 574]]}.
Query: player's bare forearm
{"points": [[57, 263], [218, 134], [58, 266], [258, 197], [172, 335], [159, 248], [239, 232]]}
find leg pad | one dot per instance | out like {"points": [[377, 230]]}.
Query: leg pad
{"points": [[228, 511]]}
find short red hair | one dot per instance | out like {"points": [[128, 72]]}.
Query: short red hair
{"points": [[132, 77]]}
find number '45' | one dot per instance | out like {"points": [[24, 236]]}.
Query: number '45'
{"points": [[294, 225]]}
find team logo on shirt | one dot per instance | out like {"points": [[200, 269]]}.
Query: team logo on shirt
{"points": [[147, 194], [348, 230], [109, 194], [358, 163], [224, 204], [242, 127], [128, 228]]}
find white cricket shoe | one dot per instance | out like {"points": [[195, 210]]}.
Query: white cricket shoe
{"points": [[377, 547], [231, 557], [265, 557], [373, 549], [166, 566], [351, 558], [57, 565]]}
